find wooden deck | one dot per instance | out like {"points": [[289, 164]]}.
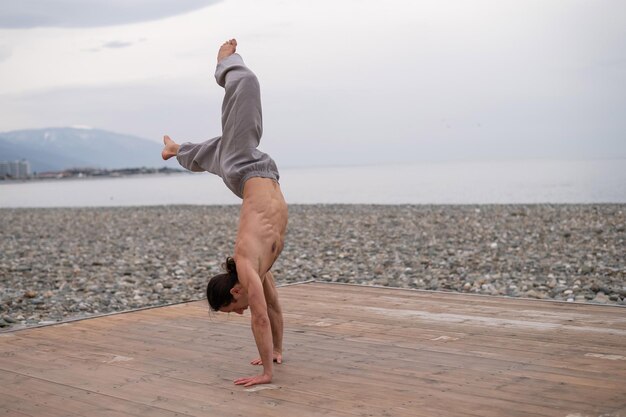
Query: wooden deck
{"points": [[350, 351]]}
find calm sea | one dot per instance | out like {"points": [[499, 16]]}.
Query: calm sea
{"points": [[511, 182]]}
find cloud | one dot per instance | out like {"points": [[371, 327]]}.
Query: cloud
{"points": [[351, 128], [148, 109], [117, 44], [114, 45], [80, 13]]}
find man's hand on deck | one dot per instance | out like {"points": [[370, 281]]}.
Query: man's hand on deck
{"points": [[278, 358], [254, 380]]}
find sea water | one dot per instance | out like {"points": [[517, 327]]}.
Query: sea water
{"points": [[502, 182]]}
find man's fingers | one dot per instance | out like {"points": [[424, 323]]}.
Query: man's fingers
{"points": [[246, 382], [241, 381], [253, 380]]}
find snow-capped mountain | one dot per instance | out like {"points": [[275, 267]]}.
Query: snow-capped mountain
{"points": [[55, 149]]}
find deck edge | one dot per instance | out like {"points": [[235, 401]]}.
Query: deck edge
{"points": [[457, 293], [95, 316], [314, 281]]}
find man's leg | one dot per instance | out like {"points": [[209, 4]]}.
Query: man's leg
{"points": [[242, 123], [200, 157], [197, 157]]}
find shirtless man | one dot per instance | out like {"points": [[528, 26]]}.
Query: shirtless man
{"points": [[252, 175]]}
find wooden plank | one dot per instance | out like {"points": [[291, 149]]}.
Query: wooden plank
{"points": [[350, 351], [131, 365], [13, 413], [68, 398]]}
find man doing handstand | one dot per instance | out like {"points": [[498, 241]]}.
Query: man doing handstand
{"points": [[252, 175]]}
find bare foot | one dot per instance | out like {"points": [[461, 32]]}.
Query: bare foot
{"points": [[170, 149], [227, 49]]}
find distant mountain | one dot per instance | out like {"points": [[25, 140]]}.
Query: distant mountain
{"points": [[56, 149]]}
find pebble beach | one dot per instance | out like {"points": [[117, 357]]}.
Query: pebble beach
{"points": [[58, 264]]}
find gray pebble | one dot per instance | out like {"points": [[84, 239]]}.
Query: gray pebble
{"points": [[53, 268], [600, 298]]}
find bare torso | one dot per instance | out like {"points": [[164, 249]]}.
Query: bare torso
{"points": [[262, 225]]}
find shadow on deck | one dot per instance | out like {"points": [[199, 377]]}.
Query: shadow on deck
{"points": [[349, 351]]}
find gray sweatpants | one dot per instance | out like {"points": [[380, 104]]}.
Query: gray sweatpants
{"points": [[234, 155]]}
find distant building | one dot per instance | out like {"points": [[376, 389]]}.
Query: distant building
{"points": [[15, 169]]}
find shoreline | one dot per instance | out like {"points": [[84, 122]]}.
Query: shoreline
{"points": [[59, 264], [54, 179]]}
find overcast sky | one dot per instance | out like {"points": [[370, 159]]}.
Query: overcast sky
{"points": [[343, 81]]}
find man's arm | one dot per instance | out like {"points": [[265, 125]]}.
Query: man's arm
{"points": [[249, 278], [275, 314]]}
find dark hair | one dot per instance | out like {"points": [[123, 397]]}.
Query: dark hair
{"points": [[218, 289]]}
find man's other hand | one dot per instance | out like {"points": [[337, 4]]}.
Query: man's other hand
{"points": [[278, 358]]}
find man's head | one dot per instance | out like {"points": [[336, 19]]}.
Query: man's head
{"points": [[224, 292]]}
